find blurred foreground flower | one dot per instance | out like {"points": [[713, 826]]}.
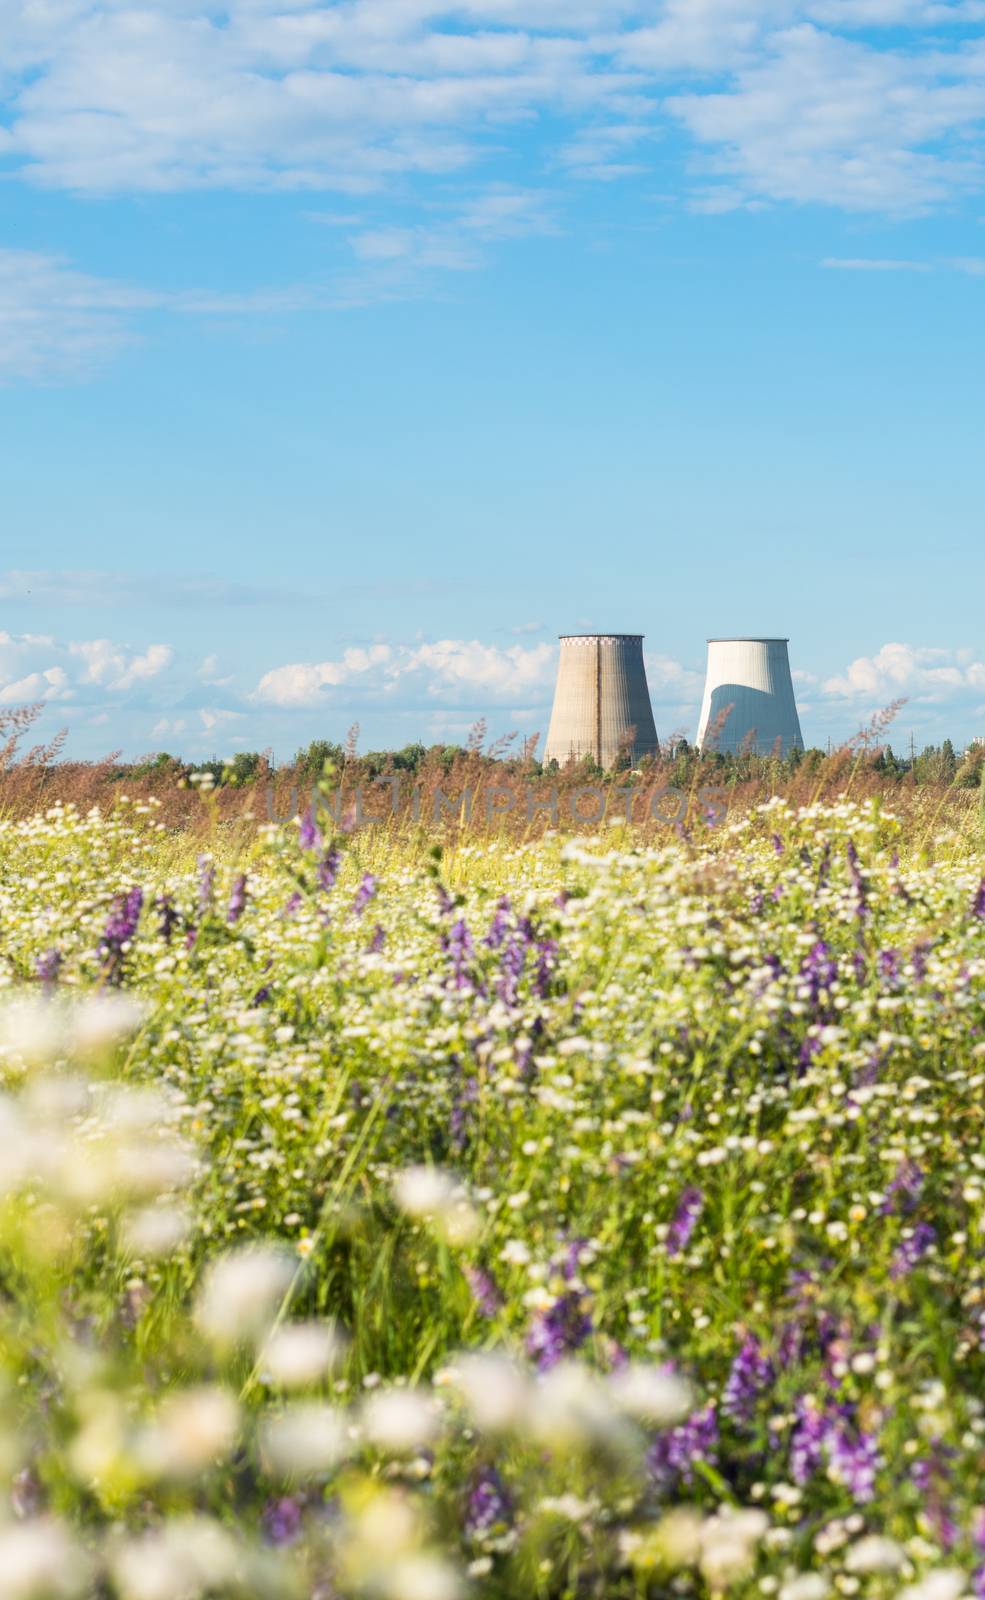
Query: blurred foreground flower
{"points": [[241, 1292], [429, 1195]]}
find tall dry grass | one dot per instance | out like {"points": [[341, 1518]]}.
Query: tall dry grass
{"points": [[467, 795]]}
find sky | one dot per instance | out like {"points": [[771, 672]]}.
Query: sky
{"points": [[350, 352]]}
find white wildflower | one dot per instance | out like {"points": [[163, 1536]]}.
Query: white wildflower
{"points": [[192, 1431], [495, 1390], [805, 1586], [875, 1553], [568, 1506], [305, 1439], [429, 1195], [187, 1557], [571, 1409], [422, 1575], [651, 1396], [156, 1230], [240, 1293], [400, 1420], [943, 1583], [728, 1545], [38, 1561], [299, 1353]]}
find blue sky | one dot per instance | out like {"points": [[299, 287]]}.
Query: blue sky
{"points": [[350, 352]]}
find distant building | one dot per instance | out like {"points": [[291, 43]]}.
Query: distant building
{"points": [[749, 701], [601, 702]]}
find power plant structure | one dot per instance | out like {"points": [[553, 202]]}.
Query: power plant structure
{"points": [[749, 702], [601, 702]]}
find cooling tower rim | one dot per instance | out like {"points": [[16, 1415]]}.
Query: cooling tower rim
{"points": [[749, 638], [568, 637]]}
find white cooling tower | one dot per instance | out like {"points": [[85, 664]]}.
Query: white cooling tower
{"points": [[749, 701], [601, 703]]}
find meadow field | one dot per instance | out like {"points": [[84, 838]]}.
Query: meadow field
{"points": [[588, 1214]]}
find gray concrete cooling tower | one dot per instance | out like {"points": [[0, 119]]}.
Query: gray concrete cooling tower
{"points": [[601, 703], [752, 676]]}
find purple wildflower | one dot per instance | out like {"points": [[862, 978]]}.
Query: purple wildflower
{"points": [[457, 945], [932, 1476], [571, 1260], [790, 1346], [807, 1441], [237, 898], [888, 967], [168, 917], [673, 1457], [511, 967], [120, 928], [819, 968], [778, 844], [461, 1119], [560, 1330], [364, 893], [911, 1251], [281, 1520], [918, 958], [206, 883], [855, 1460], [978, 904], [489, 1509], [855, 870], [328, 868], [485, 1290], [48, 966], [378, 940], [903, 1189], [689, 1208], [446, 901], [309, 833], [750, 1374], [546, 962], [824, 869], [499, 925], [978, 1541]]}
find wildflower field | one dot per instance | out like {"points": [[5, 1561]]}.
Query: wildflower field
{"points": [[577, 1217]]}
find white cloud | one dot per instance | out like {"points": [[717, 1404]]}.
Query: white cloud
{"points": [[50, 684], [450, 671], [37, 667], [672, 684], [822, 118], [58, 323], [866, 264], [209, 673], [55, 321], [113, 669], [928, 676], [212, 717], [971, 266], [866, 104], [303, 683]]}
